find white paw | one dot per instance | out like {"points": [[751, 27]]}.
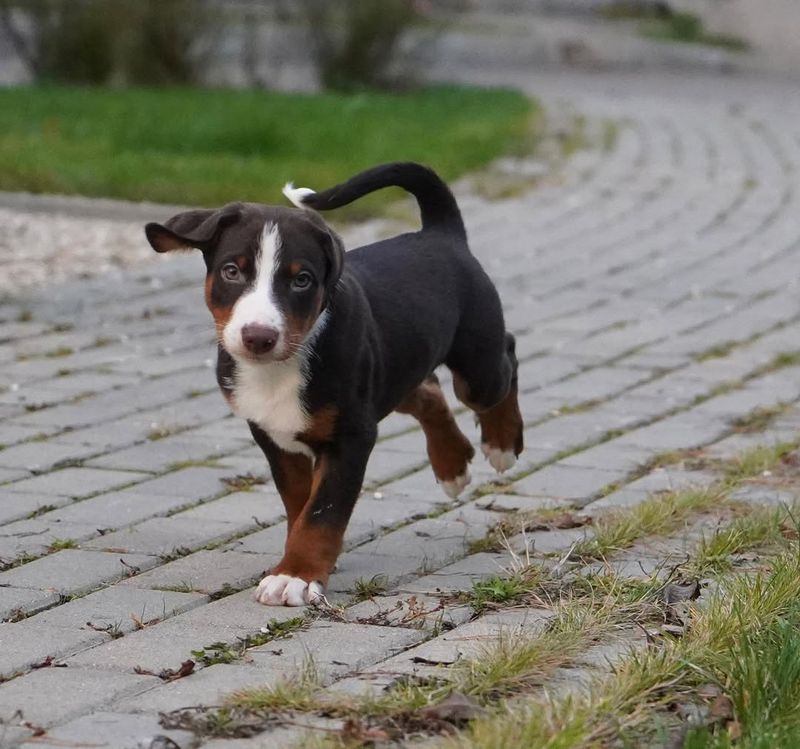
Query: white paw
{"points": [[284, 590], [454, 487], [500, 460]]}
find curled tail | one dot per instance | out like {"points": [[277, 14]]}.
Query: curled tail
{"points": [[437, 206]]}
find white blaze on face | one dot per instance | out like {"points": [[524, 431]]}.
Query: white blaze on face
{"points": [[257, 306]]}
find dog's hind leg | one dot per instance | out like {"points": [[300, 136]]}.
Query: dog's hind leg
{"points": [[487, 383], [448, 449]]}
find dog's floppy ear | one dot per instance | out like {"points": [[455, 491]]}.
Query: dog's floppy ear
{"points": [[334, 254], [191, 229]]}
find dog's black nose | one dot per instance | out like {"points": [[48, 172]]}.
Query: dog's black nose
{"points": [[258, 339]]}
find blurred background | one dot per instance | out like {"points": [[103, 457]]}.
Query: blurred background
{"points": [[200, 102]]}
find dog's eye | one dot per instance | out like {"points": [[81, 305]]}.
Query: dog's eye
{"points": [[231, 272], [302, 281]]}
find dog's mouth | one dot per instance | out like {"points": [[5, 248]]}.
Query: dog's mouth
{"points": [[244, 355]]}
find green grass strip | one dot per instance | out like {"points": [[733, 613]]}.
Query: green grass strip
{"points": [[209, 147]]}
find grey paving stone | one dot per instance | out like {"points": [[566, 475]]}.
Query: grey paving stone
{"points": [[121, 730], [42, 456], [259, 506], [168, 643], [163, 536], [598, 383], [267, 541], [610, 456], [764, 495], [556, 542], [410, 610], [673, 433], [154, 648], [372, 515], [76, 482], [463, 642], [35, 537], [118, 509], [335, 648], [567, 482], [208, 572], [354, 567], [74, 571], [430, 542], [19, 602], [19, 506], [160, 455], [276, 738], [120, 608], [54, 695], [461, 575], [504, 504], [239, 614], [27, 643], [385, 465], [8, 475], [209, 686], [196, 483]]}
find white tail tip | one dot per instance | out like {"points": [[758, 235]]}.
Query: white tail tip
{"points": [[296, 194]]}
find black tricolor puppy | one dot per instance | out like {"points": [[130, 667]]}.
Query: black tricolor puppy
{"points": [[316, 347]]}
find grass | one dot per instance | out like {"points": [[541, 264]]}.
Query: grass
{"points": [[662, 514], [209, 147], [57, 544], [295, 693], [759, 418], [226, 652], [756, 462], [717, 351], [366, 589], [741, 648], [667, 512], [764, 526]]}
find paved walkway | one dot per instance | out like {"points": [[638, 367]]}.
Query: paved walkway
{"points": [[653, 286]]}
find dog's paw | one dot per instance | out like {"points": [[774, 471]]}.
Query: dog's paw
{"points": [[455, 486], [284, 590], [500, 460]]}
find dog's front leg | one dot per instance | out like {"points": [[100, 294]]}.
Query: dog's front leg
{"points": [[315, 537]]}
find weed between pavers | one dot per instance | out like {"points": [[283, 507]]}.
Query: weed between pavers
{"points": [[515, 660], [243, 482], [57, 544], [225, 652], [759, 418], [366, 589]]}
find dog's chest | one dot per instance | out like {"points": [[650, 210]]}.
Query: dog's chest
{"points": [[271, 396]]}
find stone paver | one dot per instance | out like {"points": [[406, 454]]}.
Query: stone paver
{"points": [[652, 285]]}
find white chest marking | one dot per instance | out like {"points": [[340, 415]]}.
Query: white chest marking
{"points": [[271, 396]]}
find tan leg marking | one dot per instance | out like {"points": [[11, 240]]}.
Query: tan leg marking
{"points": [[448, 449], [501, 426]]}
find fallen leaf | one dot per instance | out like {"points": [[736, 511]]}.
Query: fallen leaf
{"points": [[709, 691], [562, 521], [721, 708], [677, 592], [168, 674], [49, 662], [354, 732], [457, 708], [432, 661]]}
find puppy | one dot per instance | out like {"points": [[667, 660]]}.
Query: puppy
{"points": [[316, 347]]}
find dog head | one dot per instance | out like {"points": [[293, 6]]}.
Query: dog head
{"points": [[271, 272]]}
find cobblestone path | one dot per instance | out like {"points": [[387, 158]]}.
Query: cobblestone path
{"points": [[652, 282]]}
